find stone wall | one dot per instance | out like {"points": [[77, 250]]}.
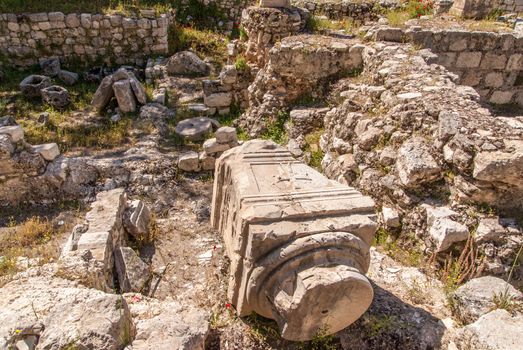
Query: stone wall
{"points": [[483, 8], [24, 38], [337, 9], [491, 63]]}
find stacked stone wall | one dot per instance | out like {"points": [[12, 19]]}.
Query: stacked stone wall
{"points": [[483, 8], [355, 9], [24, 38], [491, 63]]}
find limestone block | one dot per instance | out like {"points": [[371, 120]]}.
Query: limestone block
{"points": [[125, 96], [220, 99], [15, 131], [496, 330], [133, 273], [48, 151], [275, 3], [189, 161], [468, 60], [103, 94], [207, 162], [391, 217], [298, 242], [445, 231], [501, 97], [415, 163], [212, 146], [226, 134], [137, 219], [138, 90], [499, 166], [475, 298]]}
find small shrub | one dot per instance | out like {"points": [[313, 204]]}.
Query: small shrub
{"points": [[243, 34], [241, 64], [276, 128], [33, 231]]}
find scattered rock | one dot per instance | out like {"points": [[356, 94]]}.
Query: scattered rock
{"points": [[48, 151], [33, 84], [497, 330], [56, 96], [187, 63], [391, 217], [133, 273], [7, 120], [68, 78], [444, 232], [476, 297], [189, 161], [195, 129], [103, 94], [415, 163], [15, 132], [137, 218], [50, 66], [226, 134], [124, 96]]}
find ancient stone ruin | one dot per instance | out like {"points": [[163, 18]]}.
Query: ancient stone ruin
{"points": [[298, 242], [303, 174]]}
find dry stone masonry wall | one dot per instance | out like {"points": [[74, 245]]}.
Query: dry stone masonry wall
{"points": [[298, 242], [24, 38], [491, 63], [357, 10], [483, 8]]}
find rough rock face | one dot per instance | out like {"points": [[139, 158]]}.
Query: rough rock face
{"points": [[434, 126], [497, 330], [282, 264], [187, 63], [266, 26], [476, 297], [167, 323], [61, 314], [133, 273], [125, 87], [297, 66], [195, 129]]}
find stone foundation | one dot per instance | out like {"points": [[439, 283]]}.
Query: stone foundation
{"points": [[24, 38], [298, 242], [482, 8], [491, 63]]}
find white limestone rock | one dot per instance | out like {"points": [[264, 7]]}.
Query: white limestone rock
{"points": [[189, 161], [476, 297], [48, 151], [133, 273], [125, 96], [15, 132]]}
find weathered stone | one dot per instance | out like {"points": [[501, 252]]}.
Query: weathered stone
{"points": [[189, 161], [391, 217], [15, 132], [137, 219], [138, 90], [229, 75], [68, 315], [103, 94], [8, 120], [158, 323], [212, 146], [207, 162], [415, 163], [292, 274], [490, 229], [68, 78], [124, 95], [476, 297], [219, 99], [33, 84], [48, 151], [226, 134], [195, 129], [275, 3], [56, 96], [501, 166], [444, 232], [133, 273], [497, 330], [187, 63], [50, 66]]}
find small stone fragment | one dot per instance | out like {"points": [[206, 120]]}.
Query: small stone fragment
{"points": [[187, 63], [56, 96], [103, 94], [137, 218], [16, 132], [189, 161], [133, 273], [124, 96], [68, 78], [33, 84], [48, 151], [226, 134]]}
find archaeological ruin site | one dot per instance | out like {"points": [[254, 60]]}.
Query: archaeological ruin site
{"points": [[261, 174]]}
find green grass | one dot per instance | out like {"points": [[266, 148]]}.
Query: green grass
{"points": [[316, 24], [276, 128], [204, 42]]}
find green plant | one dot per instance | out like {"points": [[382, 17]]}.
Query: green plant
{"points": [[323, 341], [276, 128], [457, 271], [241, 64], [204, 42], [378, 324], [262, 328], [243, 34], [504, 300]]}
